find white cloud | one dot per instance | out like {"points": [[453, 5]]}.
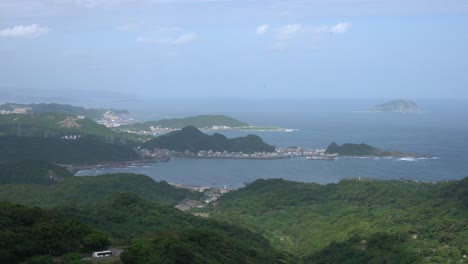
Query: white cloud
{"points": [[263, 29], [288, 31], [183, 39], [340, 28], [30, 31]]}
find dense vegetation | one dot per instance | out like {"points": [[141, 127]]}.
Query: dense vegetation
{"points": [[198, 246], [353, 150], [110, 203], [64, 109], [25, 232], [400, 106], [37, 172], [200, 121], [193, 140], [356, 220], [85, 150], [353, 221], [85, 190], [126, 216], [378, 248], [51, 125]]}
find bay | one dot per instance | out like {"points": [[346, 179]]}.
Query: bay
{"points": [[443, 135]]}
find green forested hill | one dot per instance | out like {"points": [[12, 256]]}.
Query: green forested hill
{"points": [[84, 190], [125, 216], [200, 121], [25, 232], [134, 210], [268, 221], [85, 150], [349, 149], [59, 138], [38, 172], [50, 125], [193, 140], [318, 222], [64, 109], [200, 246]]}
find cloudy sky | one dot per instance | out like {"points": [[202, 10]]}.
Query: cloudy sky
{"points": [[237, 48]]}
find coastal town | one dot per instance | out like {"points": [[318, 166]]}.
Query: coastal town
{"points": [[279, 153]]}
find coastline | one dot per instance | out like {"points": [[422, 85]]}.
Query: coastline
{"points": [[73, 169]]}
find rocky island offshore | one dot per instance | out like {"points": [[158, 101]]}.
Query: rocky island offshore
{"points": [[397, 106]]}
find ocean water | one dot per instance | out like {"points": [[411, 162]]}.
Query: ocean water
{"points": [[440, 134]]}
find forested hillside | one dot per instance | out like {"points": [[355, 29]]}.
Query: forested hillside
{"points": [[85, 190], [193, 140], [356, 220], [26, 232]]}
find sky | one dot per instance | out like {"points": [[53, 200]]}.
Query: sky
{"points": [[235, 48]]}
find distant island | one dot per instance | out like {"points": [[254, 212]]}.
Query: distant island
{"points": [[398, 106], [362, 150], [191, 139]]}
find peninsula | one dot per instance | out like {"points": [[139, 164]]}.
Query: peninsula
{"points": [[397, 106], [191, 139], [205, 123], [363, 150]]}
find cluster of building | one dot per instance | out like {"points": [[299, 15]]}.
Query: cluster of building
{"points": [[109, 119], [158, 130], [280, 153], [17, 110]]}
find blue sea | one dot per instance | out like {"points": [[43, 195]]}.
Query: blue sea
{"points": [[441, 132]]}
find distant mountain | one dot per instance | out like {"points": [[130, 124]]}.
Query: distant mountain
{"points": [[400, 106], [63, 109], [193, 140], [50, 125], [200, 121], [57, 125]]}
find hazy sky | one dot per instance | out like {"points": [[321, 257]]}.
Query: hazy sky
{"points": [[237, 48]]}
